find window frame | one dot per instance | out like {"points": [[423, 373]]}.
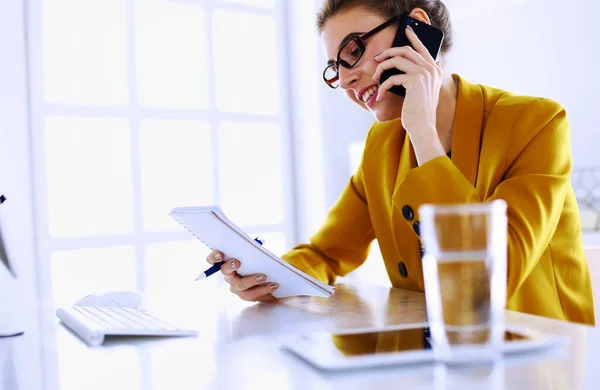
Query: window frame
{"points": [[140, 238]]}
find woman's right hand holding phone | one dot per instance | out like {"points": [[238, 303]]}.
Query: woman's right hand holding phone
{"points": [[250, 288]]}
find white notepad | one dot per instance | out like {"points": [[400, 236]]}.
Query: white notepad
{"points": [[210, 225]]}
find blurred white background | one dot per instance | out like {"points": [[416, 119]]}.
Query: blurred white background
{"points": [[115, 111]]}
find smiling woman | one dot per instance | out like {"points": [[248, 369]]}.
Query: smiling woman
{"points": [[445, 141]]}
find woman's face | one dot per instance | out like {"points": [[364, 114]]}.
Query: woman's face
{"points": [[357, 80]]}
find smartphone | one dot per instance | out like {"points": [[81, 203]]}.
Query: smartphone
{"points": [[431, 37]]}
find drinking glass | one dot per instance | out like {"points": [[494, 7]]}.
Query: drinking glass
{"points": [[464, 269]]}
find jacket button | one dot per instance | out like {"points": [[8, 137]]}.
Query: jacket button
{"points": [[407, 212], [417, 228], [402, 269]]}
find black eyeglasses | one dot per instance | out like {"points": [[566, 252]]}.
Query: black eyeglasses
{"points": [[351, 51]]}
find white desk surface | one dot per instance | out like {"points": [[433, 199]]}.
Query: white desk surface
{"points": [[236, 349]]}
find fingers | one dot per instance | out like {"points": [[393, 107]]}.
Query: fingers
{"points": [[266, 298], [418, 45], [229, 268], [245, 283], [400, 79], [259, 293], [232, 279], [396, 62], [252, 288], [249, 288], [404, 51], [215, 257], [419, 55]]}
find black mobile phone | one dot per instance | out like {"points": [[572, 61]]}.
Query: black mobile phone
{"points": [[431, 37]]}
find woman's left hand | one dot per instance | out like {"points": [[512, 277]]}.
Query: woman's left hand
{"points": [[422, 80]]}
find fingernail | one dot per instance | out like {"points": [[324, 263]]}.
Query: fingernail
{"points": [[273, 286], [232, 265], [409, 28], [377, 55], [218, 257], [260, 278]]}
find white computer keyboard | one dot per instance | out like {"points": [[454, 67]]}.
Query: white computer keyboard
{"points": [[93, 323]]}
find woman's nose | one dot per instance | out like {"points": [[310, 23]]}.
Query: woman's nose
{"points": [[348, 78]]}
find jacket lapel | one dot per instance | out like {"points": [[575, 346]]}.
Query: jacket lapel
{"points": [[408, 160], [468, 128]]}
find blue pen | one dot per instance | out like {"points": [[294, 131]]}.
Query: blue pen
{"points": [[217, 266]]}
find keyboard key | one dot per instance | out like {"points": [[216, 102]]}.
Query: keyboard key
{"points": [[145, 315], [90, 321], [111, 320], [120, 315]]}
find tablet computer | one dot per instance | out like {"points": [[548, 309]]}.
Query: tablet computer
{"points": [[392, 346]]}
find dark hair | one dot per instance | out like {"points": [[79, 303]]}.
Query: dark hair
{"points": [[437, 11]]}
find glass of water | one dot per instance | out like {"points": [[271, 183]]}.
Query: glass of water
{"points": [[464, 269]]}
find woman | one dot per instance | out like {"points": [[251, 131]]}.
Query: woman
{"points": [[446, 141]]}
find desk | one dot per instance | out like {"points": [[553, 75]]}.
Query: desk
{"points": [[236, 349]]}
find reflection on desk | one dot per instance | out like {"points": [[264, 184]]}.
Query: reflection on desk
{"points": [[403, 340], [237, 348]]}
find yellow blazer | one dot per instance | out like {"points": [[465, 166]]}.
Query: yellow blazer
{"points": [[504, 146]]}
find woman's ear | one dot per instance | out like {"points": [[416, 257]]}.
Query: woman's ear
{"points": [[420, 15]]}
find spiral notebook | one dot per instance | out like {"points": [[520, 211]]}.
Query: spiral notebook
{"points": [[210, 225]]}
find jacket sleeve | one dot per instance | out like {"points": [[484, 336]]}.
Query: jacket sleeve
{"points": [[343, 241], [535, 184]]}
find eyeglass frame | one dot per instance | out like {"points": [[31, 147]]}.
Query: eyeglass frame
{"points": [[360, 41]]}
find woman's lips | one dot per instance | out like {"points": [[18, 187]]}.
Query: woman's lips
{"points": [[373, 99]]}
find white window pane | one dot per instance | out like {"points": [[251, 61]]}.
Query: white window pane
{"points": [[251, 184], [245, 62], [171, 270], [89, 176], [171, 55], [177, 169], [81, 272], [275, 242], [254, 3], [85, 54]]}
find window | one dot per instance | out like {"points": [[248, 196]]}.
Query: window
{"points": [[140, 106]]}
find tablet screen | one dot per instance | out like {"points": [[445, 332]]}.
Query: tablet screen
{"points": [[402, 340]]}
